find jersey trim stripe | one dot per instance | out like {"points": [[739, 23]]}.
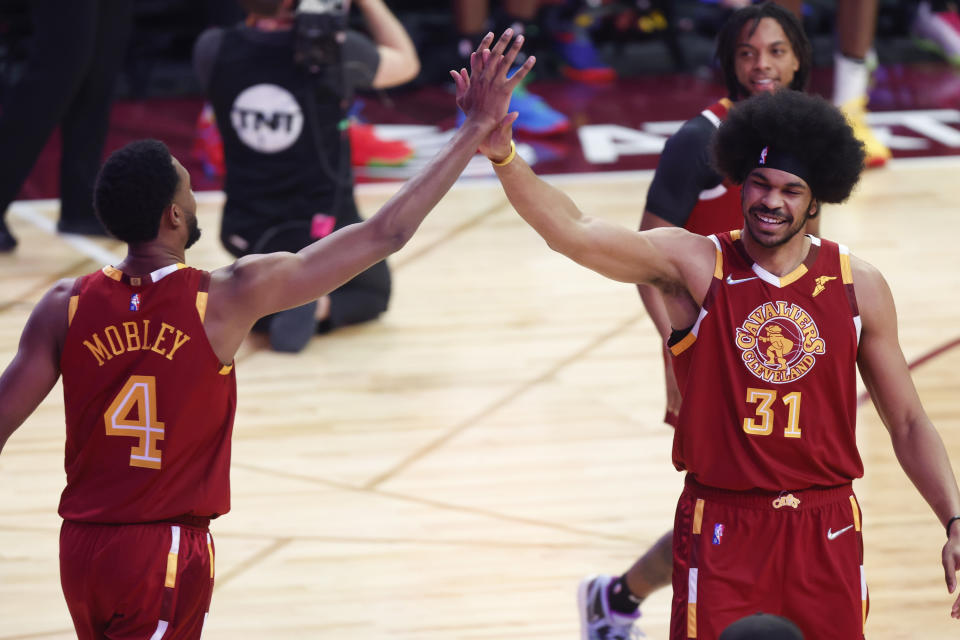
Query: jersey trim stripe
{"points": [[113, 273], [72, 308], [171, 580], [711, 116], [698, 516], [202, 304], [210, 551], [161, 629], [856, 513], [714, 193]]}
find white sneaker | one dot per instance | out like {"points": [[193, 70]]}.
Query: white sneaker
{"points": [[597, 621], [938, 32]]}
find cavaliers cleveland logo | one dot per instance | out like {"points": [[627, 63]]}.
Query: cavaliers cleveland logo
{"points": [[779, 342]]}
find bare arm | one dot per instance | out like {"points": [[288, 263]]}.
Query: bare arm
{"points": [[653, 303], [677, 262], [258, 285], [917, 444], [36, 367], [399, 62]]}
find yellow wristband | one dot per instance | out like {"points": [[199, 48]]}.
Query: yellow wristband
{"points": [[509, 158]]}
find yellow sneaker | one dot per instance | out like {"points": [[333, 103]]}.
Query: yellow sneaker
{"points": [[856, 112]]}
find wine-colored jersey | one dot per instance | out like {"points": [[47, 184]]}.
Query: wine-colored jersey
{"points": [[768, 374], [717, 209], [149, 407], [686, 190]]}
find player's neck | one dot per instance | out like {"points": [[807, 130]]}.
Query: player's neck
{"points": [[146, 258], [781, 259]]}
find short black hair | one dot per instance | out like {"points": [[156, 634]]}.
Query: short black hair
{"points": [[729, 36], [807, 127], [762, 626], [135, 185]]}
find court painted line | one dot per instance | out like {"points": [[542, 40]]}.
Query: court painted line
{"points": [[28, 211], [920, 361]]}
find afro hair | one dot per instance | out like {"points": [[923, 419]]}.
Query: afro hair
{"points": [[135, 185], [807, 127]]}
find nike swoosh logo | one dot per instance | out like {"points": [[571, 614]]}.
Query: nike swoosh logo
{"points": [[831, 534], [730, 280]]}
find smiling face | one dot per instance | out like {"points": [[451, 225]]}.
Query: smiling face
{"points": [[764, 59], [776, 206]]}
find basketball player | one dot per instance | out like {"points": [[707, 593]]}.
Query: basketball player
{"points": [[760, 48], [767, 520], [146, 349]]}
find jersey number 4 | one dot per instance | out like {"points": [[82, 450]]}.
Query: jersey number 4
{"points": [[133, 414], [762, 424]]}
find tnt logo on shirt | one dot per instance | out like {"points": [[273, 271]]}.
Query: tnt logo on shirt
{"points": [[267, 118], [135, 302], [779, 342]]}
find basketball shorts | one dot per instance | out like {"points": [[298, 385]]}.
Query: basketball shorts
{"points": [[795, 554], [144, 581]]}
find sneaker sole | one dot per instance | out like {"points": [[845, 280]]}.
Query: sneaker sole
{"points": [[582, 606]]}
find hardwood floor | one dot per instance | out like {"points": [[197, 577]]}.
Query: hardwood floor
{"points": [[453, 469]]}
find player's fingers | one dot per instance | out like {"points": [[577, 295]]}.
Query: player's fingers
{"points": [[485, 42], [511, 53], [508, 120], [458, 80], [522, 72], [475, 63], [502, 43]]}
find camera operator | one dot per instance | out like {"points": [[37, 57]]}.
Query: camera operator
{"points": [[280, 94]]}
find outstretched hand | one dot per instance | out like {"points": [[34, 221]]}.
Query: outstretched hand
{"points": [[484, 93]]}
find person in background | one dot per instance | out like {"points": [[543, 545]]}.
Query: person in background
{"points": [[286, 150], [75, 57]]}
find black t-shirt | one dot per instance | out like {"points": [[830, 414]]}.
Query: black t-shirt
{"points": [[683, 172], [285, 147]]}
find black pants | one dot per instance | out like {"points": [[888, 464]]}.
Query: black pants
{"points": [[361, 299], [76, 54]]}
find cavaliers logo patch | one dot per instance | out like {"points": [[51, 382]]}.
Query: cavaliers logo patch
{"points": [[779, 342]]}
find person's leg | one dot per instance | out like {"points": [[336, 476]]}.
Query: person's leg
{"points": [[652, 571], [609, 605], [856, 22], [61, 51], [84, 125], [361, 299]]}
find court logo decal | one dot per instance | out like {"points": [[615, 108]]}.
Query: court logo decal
{"points": [[779, 342]]}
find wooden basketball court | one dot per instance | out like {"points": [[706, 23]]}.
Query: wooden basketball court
{"points": [[454, 469]]}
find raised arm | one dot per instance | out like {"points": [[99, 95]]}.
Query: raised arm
{"points": [[916, 442], [399, 62], [258, 285], [678, 263], [35, 368]]}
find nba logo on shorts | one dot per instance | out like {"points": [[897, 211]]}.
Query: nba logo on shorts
{"points": [[135, 302], [717, 533]]}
